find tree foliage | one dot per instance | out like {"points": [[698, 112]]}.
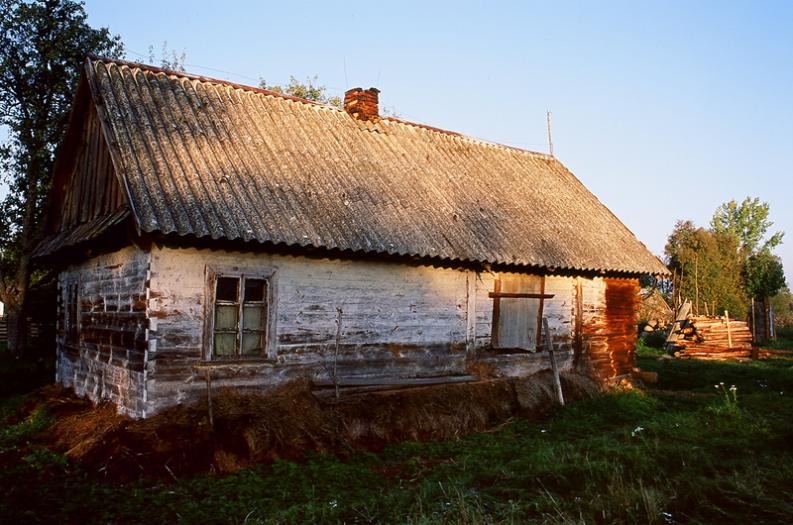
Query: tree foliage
{"points": [[43, 44], [729, 263], [782, 303], [706, 267], [748, 222], [764, 274], [308, 90], [169, 59]]}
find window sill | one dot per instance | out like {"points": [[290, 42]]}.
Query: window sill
{"points": [[511, 351], [234, 363]]}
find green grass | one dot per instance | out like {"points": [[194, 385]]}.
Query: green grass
{"points": [[680, 453]]}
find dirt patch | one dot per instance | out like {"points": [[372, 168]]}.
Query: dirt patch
{"points": [[251, 428]]}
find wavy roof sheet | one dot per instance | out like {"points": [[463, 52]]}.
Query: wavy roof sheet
{"points": [[208, 158]]}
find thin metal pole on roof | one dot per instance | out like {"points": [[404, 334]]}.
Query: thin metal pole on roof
{"points": [[550, 142]]}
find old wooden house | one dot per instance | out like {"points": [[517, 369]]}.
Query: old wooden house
{"points": [[207, 229]]}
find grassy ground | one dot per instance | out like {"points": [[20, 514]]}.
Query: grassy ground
{"points": [[687, 451]]}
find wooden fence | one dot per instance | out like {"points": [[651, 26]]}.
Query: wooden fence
{"points": [[35, 330]]}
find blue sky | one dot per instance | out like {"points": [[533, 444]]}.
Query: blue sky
{"points": [[664, 110]]}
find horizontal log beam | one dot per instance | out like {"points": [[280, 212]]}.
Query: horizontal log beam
{"points": [[383, 382], [510, 295]]}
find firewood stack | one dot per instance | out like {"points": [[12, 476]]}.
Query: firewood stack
{"points": [[712, 339]]}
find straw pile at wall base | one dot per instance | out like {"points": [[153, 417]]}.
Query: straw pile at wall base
{"points": [[255, 428]]}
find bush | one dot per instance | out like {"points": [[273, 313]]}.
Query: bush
{"points": [[655, 339]]}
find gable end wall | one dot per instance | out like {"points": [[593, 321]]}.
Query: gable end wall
{"points": [[108, 360]]}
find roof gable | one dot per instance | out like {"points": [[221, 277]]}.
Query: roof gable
{"points": [[86, 197], [206, 158]]}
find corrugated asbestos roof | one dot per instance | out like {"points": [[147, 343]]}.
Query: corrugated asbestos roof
{"points": [[211, 159]]}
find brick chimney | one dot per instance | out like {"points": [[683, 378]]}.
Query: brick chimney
{"points": [[362, 103]]}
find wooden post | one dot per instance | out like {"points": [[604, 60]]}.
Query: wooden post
{"points": [[209, 398], [470, 311], [540, 318], [336, 353], [554, 367], [680, 288], [550, 142], [496, 313], [729, 333], [579, 322], [766, 320], [754, 325], [696, 282]]}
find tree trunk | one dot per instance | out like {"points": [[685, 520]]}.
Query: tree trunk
{"points": [[17, 315], [18, 329], [766, 319], [696, 283]]}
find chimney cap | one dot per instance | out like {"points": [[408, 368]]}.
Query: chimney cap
{"points": [[358, 89]]}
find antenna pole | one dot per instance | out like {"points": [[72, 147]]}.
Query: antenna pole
{"points": [[550, 142]]}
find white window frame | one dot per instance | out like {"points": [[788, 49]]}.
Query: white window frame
{"points": [[213, 273]]}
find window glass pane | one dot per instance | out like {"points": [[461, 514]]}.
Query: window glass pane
{"points": [[225, 344], [255, 290], [227, 289], [252, 344], [254, 317], [226, 317]]}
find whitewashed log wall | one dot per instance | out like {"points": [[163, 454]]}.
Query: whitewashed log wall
{"points": [[398, 320], [142, 319]]}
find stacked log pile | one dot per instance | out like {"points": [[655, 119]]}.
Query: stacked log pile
{"points": [[714, 339]]}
